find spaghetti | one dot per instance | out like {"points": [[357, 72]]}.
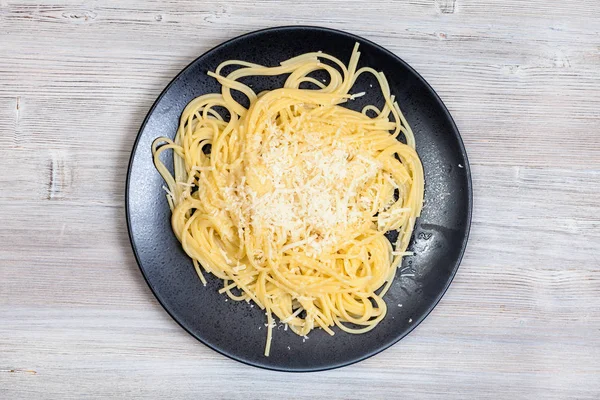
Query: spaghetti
{"points": [[290, 206]]}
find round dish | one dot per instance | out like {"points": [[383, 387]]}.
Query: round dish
{"points": [[236, 329]]}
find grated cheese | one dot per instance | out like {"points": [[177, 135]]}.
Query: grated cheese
{"points": [[292, 316], [308, 192]]}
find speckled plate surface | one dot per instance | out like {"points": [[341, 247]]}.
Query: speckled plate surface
{"points": [[236, 329]]}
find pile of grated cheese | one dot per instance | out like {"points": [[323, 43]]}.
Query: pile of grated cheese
{"points": [[318, 186]]}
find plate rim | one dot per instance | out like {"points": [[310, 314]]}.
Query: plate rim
{"points": [[455, 132]]}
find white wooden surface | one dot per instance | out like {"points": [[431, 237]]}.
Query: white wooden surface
{"points": [[522, 318]]}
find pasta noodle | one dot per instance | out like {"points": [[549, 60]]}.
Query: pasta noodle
{"points": [[290, 204]]}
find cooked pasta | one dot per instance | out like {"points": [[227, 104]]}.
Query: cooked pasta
{"points": [[290, 203]]}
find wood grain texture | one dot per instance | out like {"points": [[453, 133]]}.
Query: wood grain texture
{"points": [[522, 318]]}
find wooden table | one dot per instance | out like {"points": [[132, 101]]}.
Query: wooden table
{"points": [[522, 318]]}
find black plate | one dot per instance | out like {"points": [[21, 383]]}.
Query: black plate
{"points": [[236, 329]]}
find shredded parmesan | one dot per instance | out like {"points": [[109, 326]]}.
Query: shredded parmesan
{"points": [[311, 194], [169, 193], [292, 316]]}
